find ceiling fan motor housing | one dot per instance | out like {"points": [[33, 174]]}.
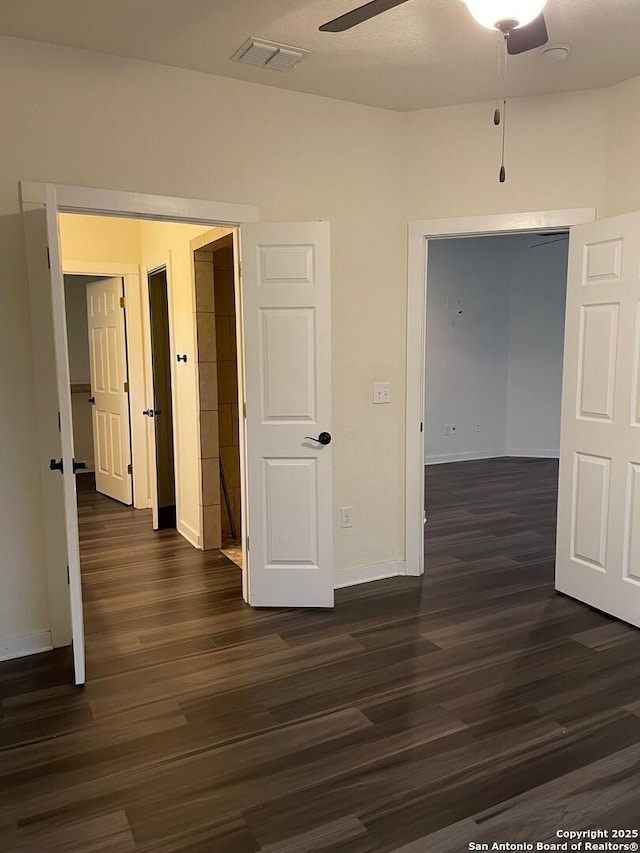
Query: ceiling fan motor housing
{"points": [[505, 15], [506, 25]]}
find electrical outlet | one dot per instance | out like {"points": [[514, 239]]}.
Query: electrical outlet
{"points": [[382, 392], [447, 429], [454, 429], [477, 428], [346, 517]]}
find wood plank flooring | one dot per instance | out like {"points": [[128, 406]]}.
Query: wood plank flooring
{"points": [[420, 715]]}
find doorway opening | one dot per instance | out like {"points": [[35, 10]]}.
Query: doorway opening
{"points": [[217, 319], [285, 440], [421, 234], [134, 349], [493, 386], [80, 374], [161, 411]]}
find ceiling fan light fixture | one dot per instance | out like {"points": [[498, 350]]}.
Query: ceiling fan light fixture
{"points": [[505, 15]]}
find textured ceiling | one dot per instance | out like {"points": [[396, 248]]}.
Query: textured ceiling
{"points": [[422, 54]]}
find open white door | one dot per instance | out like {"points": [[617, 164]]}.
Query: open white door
{"points": [[109, 388], [56, 429], [598, 550], [286, 316]]}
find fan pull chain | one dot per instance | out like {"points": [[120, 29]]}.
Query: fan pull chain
{"points": [[503, 173], [502, 87], [496, 113]]}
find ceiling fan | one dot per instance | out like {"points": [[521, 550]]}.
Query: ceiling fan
{"points": [[521, 21]]}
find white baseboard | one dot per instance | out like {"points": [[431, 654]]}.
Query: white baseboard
{"points": [[20, 647], [533, 454], [365, 574], [465, 456], [469, 456], [189, 534]]}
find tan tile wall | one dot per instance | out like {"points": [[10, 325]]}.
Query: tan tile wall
{"points": [[227, 369], [208, 387]]}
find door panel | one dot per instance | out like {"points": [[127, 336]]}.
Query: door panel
{"points": [[287, 370], [598, 548], [56, 428], [50, 439], [288, 390], [108, 360]]}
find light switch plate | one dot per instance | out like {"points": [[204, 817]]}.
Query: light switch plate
{"points": [[381, 392]]}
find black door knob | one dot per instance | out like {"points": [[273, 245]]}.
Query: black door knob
{"points": [[323, 438], [56, 466], [92, 400], [79, 466]]}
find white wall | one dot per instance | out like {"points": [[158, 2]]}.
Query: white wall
{"points": [[296, 157], [537, 295], [499, 364], [466, 355]]}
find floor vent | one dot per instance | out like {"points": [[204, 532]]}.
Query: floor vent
{"points": [[270, 54]]}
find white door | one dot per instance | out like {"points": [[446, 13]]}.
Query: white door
{"points": [[598, 549], [49, 331], [109, 388], [286, 316]]}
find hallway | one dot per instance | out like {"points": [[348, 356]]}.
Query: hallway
{"points": [[419, 715], [143, 589]]}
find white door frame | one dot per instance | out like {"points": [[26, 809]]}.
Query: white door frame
{"points": [[130, 274], [102, 202], [420, 231]]}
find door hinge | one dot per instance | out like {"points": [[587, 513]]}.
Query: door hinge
{"points": [[126, 387], [68, 581], [244, 411], [420, 426], [240, 268], [247, 543], [123, 302], [59, 425], [129, 468], [48, 258]]}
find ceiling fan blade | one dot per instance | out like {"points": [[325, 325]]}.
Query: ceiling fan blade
{"points": [[359, 15], [528, 37]]}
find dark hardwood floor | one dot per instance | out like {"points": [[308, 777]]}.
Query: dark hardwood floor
{"points": [[420, 715]]}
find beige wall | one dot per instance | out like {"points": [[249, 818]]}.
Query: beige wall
{"points": [[296, 157], [555, 157], [623, 148], [99, 239]]}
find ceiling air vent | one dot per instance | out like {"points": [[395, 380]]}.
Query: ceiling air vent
{"points": [[270, 54]]}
